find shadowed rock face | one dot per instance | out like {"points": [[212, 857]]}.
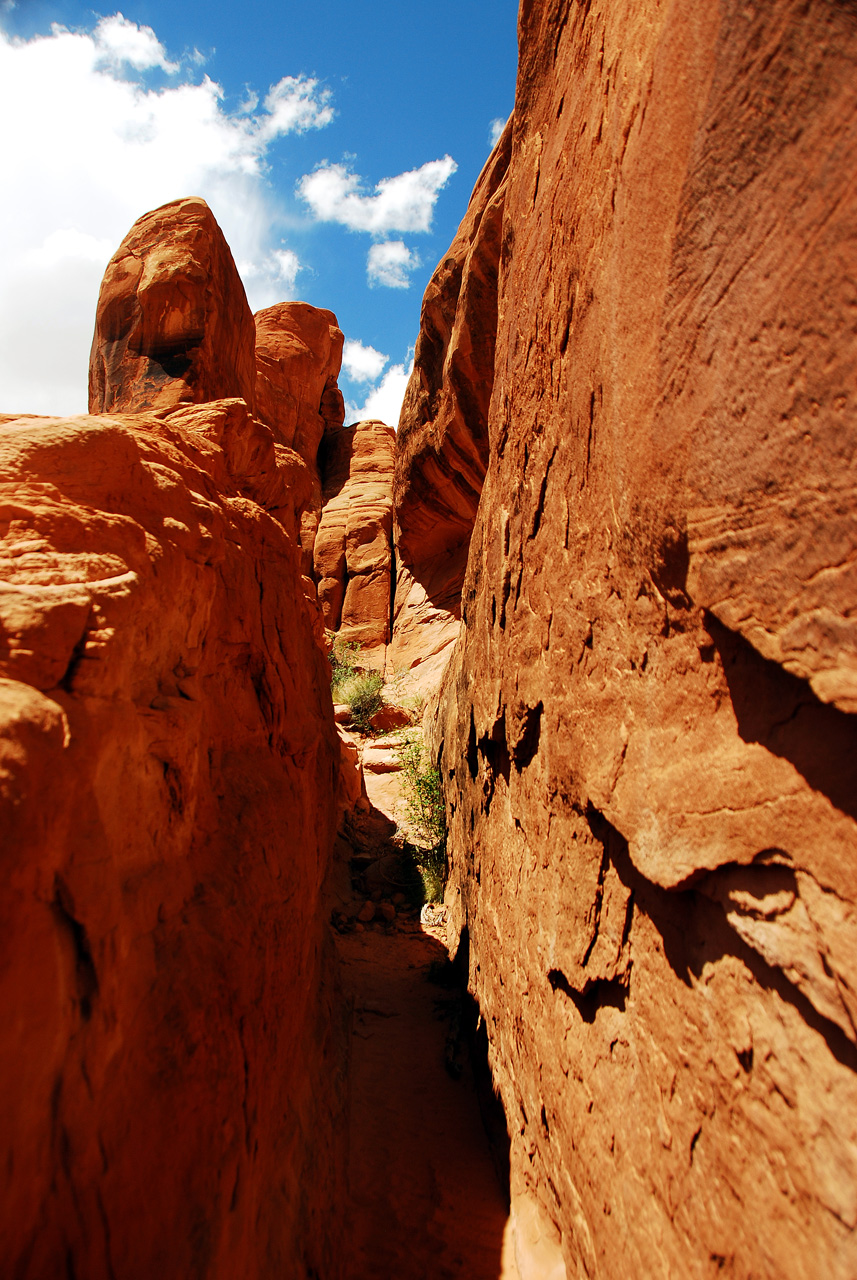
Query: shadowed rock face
{"points": [[172, 1037], [647, 729], [442, 443], [173, 325], [443, 429]]}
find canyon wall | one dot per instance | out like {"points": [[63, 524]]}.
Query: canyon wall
{"points": [[442, 439], [171, 1065], [647, 728]]}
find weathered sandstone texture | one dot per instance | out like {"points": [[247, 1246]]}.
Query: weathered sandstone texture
{"points": [[173, 325], [172, 1046], [647, 729], [442, 448], [298, 357], [353, 546]]}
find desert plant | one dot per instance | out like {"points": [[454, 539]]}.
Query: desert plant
{"points": [[343, 663], [362, 693], [426, 814]]}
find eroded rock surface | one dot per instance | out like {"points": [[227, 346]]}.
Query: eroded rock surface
{"points": [[442, 446], [646, 730], [173, 325], [298, 357], [353, 550], [170, 1065]]}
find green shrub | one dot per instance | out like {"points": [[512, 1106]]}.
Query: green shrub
{"points": [[362, 693], [426, 814], [343, 662]]}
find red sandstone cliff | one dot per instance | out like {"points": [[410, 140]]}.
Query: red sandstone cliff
{"points": [[442, 441], [647, 729], [172, 1047]]}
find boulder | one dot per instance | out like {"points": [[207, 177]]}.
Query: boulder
{"points": [[390, 717]]}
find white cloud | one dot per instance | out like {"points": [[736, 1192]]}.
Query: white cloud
{"points": [[92, 152], [296, 104], [495, 130], [118, 40], [389, 264], [287, 267], [362, 364], [384, 402], [403, 203], [68, 243], [270, 280]]}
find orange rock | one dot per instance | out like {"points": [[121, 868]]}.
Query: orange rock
{"points": [[167, 767], [647, 728], [352, 787], [298, 357], [390, 717], [353, 547], [442, 443], [173, 325]]}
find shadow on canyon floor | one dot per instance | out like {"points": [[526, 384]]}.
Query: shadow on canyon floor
{"points": [[429, 1190]]}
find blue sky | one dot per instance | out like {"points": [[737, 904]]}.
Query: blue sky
{"points": [[286, 117]]}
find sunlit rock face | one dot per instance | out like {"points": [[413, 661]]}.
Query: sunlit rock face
{"points": [[647, 730], [442, 448], [354, 544], [171, 1033], [298, 357], [173, 325]]}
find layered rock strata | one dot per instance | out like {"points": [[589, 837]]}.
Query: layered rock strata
{"points": [[170, 1069], [442, 448], [353, 549], [647, 730]]}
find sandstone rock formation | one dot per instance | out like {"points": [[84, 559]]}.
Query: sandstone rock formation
{"points": [[298, 356], [173, 325], [353, 547], [173, 1042], [647, 727], [442, 448]]}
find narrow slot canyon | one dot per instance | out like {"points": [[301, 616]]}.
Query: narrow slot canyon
{"points": [[430, 849], [428, 1194]]}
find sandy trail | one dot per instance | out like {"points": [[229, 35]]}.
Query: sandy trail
{"points": [[426, 1200]]}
